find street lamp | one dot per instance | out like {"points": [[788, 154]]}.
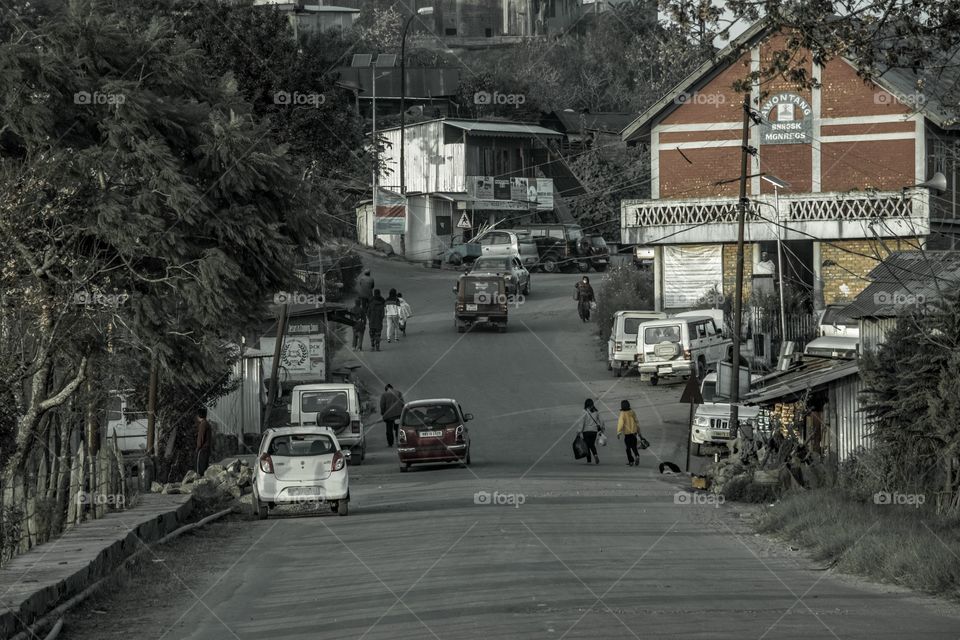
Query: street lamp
{"points": [[361, 60], [424, 11], [777, 185]]}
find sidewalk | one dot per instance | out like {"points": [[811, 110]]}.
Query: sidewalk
{"points": [[35, 582]]}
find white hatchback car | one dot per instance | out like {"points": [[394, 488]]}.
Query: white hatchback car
{"points": [[300, 465]]}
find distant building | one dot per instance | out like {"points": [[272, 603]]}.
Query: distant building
{"points": [[583, 130], [852, 153], [429, 91], [307, 19]]}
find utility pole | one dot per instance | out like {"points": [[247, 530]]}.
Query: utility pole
{"points": [[738, 296], [275, 368], [152, 404]]}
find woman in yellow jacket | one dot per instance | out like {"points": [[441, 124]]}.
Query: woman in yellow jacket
{"points": [[629, 426]]}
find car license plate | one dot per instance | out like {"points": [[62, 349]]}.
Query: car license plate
{"points": [[483, 319], [668, 369], [602, 260], [471, 307], [304, 491], [431, 434]]}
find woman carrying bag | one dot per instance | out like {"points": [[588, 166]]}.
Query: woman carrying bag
{"points": [[591, 427], [629, 426]]}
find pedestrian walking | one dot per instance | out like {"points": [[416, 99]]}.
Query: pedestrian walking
{"points": [[629, 426], [585, 298], [365, 288], [392, 315], [375, 313], [204, 438], [591, 425], [359, 324], [405, 312], [391, 403]]}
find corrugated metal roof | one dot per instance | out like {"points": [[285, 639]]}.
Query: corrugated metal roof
{"points": [[813, 372], [906, 278], [609, 121], [477, 127]]}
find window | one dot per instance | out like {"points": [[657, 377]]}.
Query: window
{"points": [[701, 329], [501, 238], [315, 401], [655, 335], [302, 444], [430, 416], [556, 233], [709, 391]]}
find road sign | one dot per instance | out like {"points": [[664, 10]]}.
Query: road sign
{"points": [[691, 393], [464, 222]]}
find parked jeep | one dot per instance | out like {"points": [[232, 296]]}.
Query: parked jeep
{"points": [[564, 246]]}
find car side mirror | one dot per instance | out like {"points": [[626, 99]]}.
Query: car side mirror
{"points": [[347, 453], [467, 417]]}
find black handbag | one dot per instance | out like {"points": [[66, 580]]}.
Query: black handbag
{"points": [[644, 443], [579, 447]]}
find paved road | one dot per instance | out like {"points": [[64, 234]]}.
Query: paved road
{"points": [[592, 552]]}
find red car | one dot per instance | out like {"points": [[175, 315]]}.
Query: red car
{"points": [[433, 431]]}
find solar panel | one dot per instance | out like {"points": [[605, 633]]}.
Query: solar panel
{"points": [[386, 60], [361, 60]]}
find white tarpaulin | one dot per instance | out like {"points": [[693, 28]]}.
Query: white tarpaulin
{"points": [[692, 275]]}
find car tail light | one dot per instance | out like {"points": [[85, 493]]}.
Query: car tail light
{"points": [[639, 357], [266, 463], [402, 436], [686, 354], [460, 433], [619, 346], [503, 307], [338, 461], [355, 426], [460, 307]]}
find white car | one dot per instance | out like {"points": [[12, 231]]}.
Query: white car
{"points": [[711, 422], [515, 275], [333, 405], [300, 465], [622, 345]]}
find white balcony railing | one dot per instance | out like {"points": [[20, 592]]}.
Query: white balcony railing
{"points": [[805, 216]]}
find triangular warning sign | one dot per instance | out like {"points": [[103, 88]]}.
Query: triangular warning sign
{"points": [[691, 393], [464, 222]]}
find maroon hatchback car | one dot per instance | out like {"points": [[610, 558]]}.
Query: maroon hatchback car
{"points": [[433, 431]]}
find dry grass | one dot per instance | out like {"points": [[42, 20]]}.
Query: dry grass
{"points": [[903, 545]]}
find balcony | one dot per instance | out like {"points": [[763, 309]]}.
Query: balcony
{"points": [[832, 216]]}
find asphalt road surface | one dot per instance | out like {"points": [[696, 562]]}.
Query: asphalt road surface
{"points": [[527, 542]]}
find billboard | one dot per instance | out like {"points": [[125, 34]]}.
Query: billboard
{"points": [[787, 119], [390, 218], [510, 194], [302, 357]]}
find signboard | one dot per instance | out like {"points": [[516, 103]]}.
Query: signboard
{"points": [[390, 217], [518, 188], [787, 119], [724, 373], [302, 357], [524, 192], [501, 188], [464, 222], [544, 194], [691, 275]]}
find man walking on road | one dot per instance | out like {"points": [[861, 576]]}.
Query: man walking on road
{"points": [[359, 324], [392, 313], [391, 403], [365, 288], [375, 313], [203, 440]]}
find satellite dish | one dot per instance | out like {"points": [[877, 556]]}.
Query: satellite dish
{"points": [[937, 183]]}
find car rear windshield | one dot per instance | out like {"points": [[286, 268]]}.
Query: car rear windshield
{"points": [[473, 287], [302, 444], [314, 401], [574, 233], [491, 265], [430, 416], [654, 335]]}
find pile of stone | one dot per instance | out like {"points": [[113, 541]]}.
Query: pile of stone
{"points": [[217, 483]]}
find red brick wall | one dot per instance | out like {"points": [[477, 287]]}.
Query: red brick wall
{"points": [[681, 179], [844, 94], [887, 165]]}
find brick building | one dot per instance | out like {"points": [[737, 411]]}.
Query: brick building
{"points": [[847, 149]]}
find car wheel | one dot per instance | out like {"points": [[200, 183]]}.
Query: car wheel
{"points": [[695, 449], [526, 288], [261, 509], [343, 508], [468, 456], [502, 328], [583, 266], [654, 380], [549, 263], [334, 505], [617, 371], [404, 467]]}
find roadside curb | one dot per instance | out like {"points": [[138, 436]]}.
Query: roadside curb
{"points": [[76, 563]]}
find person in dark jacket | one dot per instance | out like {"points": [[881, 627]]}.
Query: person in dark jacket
{"points": [[365, 288], [584, 298], [204, 439], [359, 324], [391, 403], [375, 313]]}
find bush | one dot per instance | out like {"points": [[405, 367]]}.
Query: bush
{"points": [[744, 489], [622, 288]]}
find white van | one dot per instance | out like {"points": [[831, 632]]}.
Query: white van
{"points": [[670, 347], [833, 347], [332, 405], [622, 345]]}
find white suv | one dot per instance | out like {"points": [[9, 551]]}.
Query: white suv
{"points": [[711, 422], [300, 465]]}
